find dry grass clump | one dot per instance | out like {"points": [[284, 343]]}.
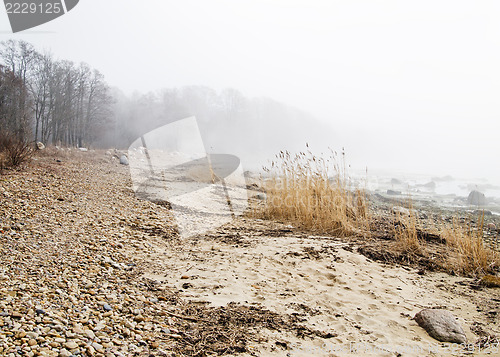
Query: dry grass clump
{"points": [[471, 255], [406, 232], [13, 152], [490, 281], [313, 193]]}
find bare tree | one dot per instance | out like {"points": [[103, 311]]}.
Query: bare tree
{"points": [[14, 113], [18, 57], [233, 102], [64, 103]]}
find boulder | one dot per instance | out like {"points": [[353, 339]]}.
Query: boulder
{"points": [[441, 325], [476, 198], [480, 212], [430, 185], [40, 145], [123, 160], [401, 210], [261, 196], [395, 181], [393, 192]]}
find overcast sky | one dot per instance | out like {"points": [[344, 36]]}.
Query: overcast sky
{"points": [[408, 85]]}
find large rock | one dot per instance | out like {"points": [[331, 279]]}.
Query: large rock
{"points": [[401, 210], [477, 198], [430, 185], [393, 192], [395, 181], [261, 196], [124, 160], [441, 325]]}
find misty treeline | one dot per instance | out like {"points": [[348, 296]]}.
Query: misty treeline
{"points": [[62, 103], [229, 122], [49, 100]]}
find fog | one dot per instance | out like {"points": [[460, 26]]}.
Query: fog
{"points": [[404, 86]]}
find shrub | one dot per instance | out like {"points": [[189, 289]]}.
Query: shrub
{"points": [[13, 152]]}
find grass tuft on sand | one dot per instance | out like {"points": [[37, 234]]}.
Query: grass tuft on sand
{"points": [[313, 193], [406, 232], [470, 255]]}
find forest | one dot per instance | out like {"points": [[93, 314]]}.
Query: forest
{"points": [[48, 100], [62, 103]]}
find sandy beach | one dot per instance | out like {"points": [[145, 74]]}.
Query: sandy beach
{"points": [[87, 268]]}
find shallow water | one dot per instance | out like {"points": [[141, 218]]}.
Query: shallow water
{"points": [[442, 191]]}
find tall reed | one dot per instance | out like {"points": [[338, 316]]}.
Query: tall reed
{"points": [[406, 231], [314, 193], [472, 256]]}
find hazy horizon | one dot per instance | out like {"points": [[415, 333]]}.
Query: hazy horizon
{"points": [[406, 87]]}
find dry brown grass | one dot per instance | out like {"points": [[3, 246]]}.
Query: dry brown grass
{"points": [[470, 255], [406, 232], [301, 191], [314, 193], [490, 281]]}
